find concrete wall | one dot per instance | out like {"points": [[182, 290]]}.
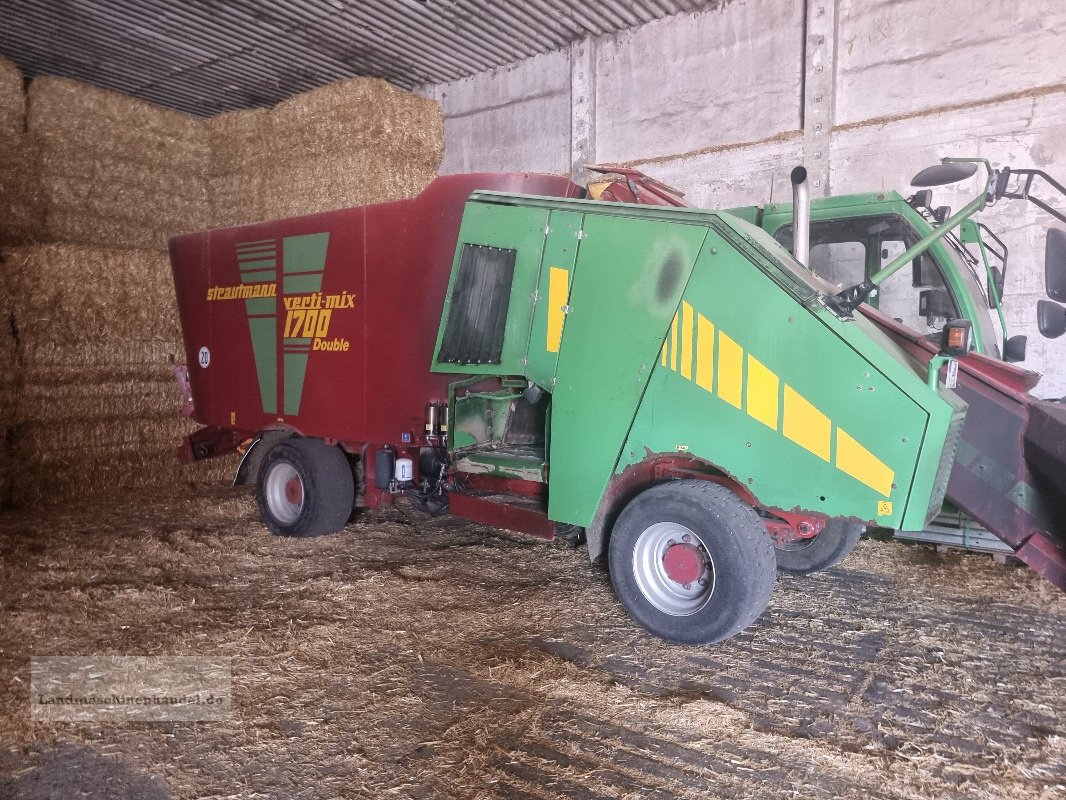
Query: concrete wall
{"points": [[725, 102]]}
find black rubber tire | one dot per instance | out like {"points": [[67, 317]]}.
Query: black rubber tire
{"points": [[736, 540], [825, 550], [328, 487]]}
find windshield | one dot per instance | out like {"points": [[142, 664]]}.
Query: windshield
{"points": [[782, 257]]}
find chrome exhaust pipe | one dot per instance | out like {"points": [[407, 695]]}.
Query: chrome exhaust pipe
{"points": [[801, 216]]}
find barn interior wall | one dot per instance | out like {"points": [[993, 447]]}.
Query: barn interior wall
{"points": [[723, 103]]}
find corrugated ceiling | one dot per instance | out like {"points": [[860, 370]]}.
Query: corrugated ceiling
{"points": [[207, 56]]}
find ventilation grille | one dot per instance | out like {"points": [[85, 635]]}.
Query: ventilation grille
{"points": [[478, 314], [943, 470]]}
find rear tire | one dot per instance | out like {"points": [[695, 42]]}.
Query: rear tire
{"points": [[691, 562], [305, 488], [825, 550]]}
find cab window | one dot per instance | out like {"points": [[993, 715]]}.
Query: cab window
{"points": [[847, 251]]}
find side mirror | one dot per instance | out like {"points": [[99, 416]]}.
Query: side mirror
{"points": [[995, 281], [943, 174], [1055, 264], [1014, 349], [922, 199], [935, 303], [1050, 319]]}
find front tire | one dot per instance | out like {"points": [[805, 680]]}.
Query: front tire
{"points": [[305, 488], [691, 562], [825, 550]]}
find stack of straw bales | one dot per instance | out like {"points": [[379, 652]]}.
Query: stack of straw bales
{"points": [[97, 400], [115, 169], [88, 323], [349, 143]]}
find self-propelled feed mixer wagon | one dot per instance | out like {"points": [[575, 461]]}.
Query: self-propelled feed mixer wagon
{"points": [[669, 382]]}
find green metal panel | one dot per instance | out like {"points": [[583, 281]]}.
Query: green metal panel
{"points": [[303, 262], [517, 227], [776, 397], [629, 277], [264, 348], [560, 256]]}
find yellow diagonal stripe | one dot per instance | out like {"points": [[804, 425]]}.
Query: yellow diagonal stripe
{"points": [[862, 465], [673, 344], [687, 332], [806, 425], [664, 352], [704, 353], [558, 294], [730, 370], [761, 393]]}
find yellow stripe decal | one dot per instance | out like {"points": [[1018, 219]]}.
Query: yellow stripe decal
{"points": [[863, 465], [673, 344], [558, 294], [704, 353], [762, 389], [687, 332], [743, 381], [730, 370], [806, 425], [664, 352]]}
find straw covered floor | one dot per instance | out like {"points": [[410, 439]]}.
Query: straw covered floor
{"points": [[412, 657]]}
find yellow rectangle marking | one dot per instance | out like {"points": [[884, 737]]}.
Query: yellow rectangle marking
{"points": [[884, 508], [704, 353], [558, 294], [730, 370], [673, 344], [806, 425], [761, 393], [862, 465], [687, 332], [664, 352]]}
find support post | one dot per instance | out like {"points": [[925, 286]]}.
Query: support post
{"points": [[819, 91], [582, 108]]}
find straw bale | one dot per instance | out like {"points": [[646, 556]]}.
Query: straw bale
{"points": [[59, 463], [67, 294], [20, 217], [152, 394], [349, 143], [20, 197], [113, 360], [70, 116], [364, 114], [115, 170], [121, 170], [12, 101], [340, 182], [10, 376]]}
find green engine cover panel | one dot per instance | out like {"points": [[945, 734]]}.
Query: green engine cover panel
{"points": [[628, 280], [764, 388]]}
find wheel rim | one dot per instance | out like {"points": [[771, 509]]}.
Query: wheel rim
{"points": [[284, 492], [673, 569]]}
